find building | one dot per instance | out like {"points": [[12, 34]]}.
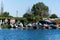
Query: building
{"points": [[2, 8]]}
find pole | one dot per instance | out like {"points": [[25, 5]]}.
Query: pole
{"points": [[17, 13]]}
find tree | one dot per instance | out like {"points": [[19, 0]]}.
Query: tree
{"points": [[37, 12], [40, 9], [53, 16], [5, 14], [23, 20], [28, 16]]}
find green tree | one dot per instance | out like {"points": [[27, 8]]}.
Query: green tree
{"points": [[40, 9], [5, 14], [53, 16], [23, 20], [37, 12], [29, 17]]}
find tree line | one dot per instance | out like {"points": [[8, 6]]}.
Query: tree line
{"points": [[36, 13]]}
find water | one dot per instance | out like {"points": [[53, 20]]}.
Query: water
{"points": [[29, 34]]}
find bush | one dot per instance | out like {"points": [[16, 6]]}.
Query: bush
{"points": [[5, 26]]}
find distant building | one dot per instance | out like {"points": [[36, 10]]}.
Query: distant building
{"points": [[2, 8]]}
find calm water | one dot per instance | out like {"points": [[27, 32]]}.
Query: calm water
{"points": [[29, 34]]}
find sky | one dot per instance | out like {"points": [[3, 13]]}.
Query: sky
{"points": [[22, 6]]}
